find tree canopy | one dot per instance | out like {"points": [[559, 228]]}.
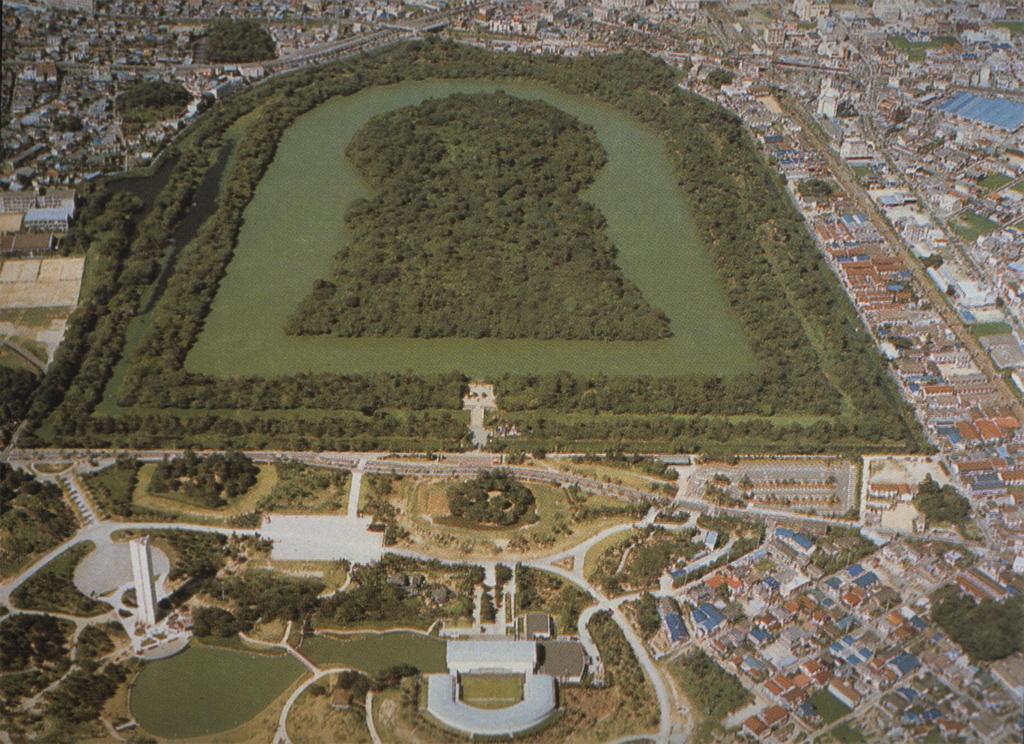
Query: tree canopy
{"points": [[986, 630], [478, 230], [941, 503], [149, 100], [491, 498], [239, 40]]}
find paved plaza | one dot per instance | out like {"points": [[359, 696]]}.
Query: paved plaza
{"points": [[322, 538]]}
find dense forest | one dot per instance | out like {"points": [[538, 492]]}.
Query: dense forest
{"points": [[239, 40], [477, 230], [987, 630], [151, 100], [16, 386], [33, 517], [814, 357]]}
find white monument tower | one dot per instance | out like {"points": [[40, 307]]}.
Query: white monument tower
{"points": [[142, 573]]}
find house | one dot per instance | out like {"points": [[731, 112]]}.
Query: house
{"points": [[844, 693], [516, 657], [564, 660], [537, 626]]}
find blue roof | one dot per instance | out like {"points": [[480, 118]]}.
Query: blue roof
{"points": [[906, 663], [772, 583], [845, 622], [676, 627], [835, 582], [996, 112], [751, 663], [908, 693], [932, 714], [808, 711], [759, 635], [855, 570], [866, 580]]}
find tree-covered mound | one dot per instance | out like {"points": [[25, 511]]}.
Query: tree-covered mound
{"points": [[151, 100], [211, 482], [494, 498], [239, 40], [988, 630], [478, 230]]}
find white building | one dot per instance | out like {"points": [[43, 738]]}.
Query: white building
{"points": [[142, 573], [513, 657]]}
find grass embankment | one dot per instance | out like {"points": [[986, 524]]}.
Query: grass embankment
{"points": [[374, 652]]}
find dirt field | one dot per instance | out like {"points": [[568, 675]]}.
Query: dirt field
{"points": [[36, 298], [40, 282]]}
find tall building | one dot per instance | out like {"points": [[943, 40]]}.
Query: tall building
{"points": [[142, 573]]}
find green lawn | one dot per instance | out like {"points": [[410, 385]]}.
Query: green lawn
{"points": [[491, 690], [971, 226], [828, 706], [1016, 27], [374, 652], [847, 733], [207, 690], [994, 181], [990, 329], [915, 51]]}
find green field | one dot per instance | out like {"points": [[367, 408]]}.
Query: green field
{"points": [[991, 329], [491, 690], [971, 226], [915, 50], [295, 225], [374, 652], [994, 181], [206, 690], [828, 706]]}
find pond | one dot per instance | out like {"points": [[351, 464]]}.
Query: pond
{"points": [[295, 225]]}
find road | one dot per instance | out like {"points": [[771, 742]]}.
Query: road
{"points": [[811, 133]]}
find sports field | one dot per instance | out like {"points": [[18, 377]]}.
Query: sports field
{"points": [[491, 690], [206, 690], [295, 226]]}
